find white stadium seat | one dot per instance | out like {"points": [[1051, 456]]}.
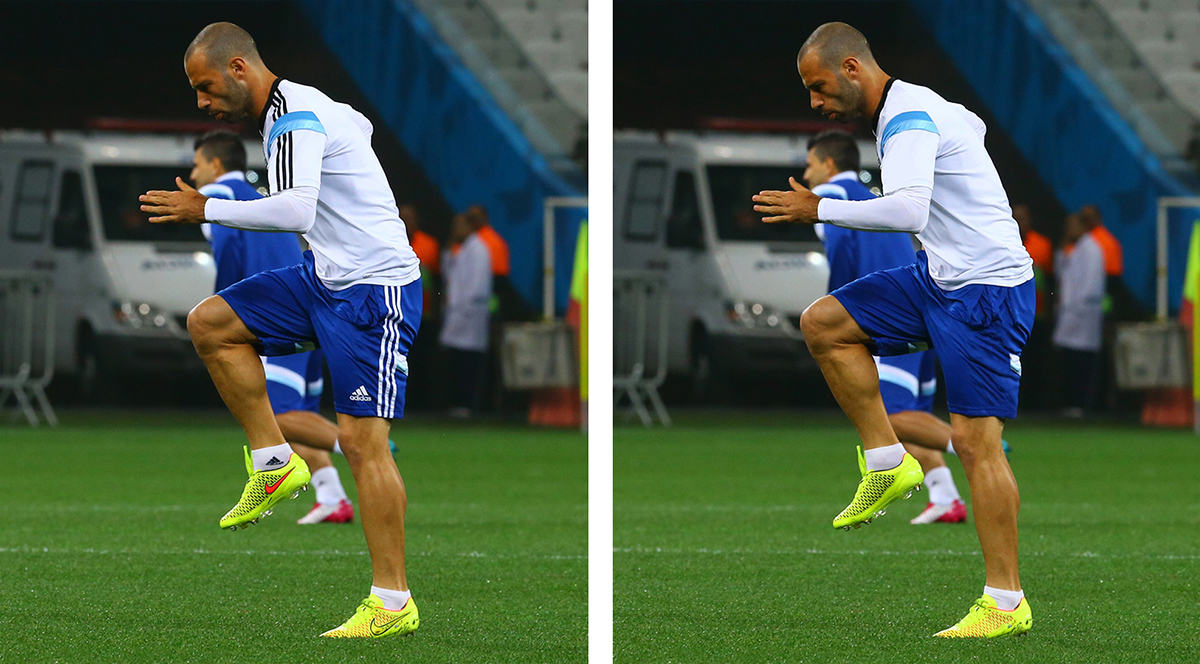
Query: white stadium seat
{"points": [[527, 26], [549, 56], [1165, 56], [1140, 25], [1185, 87], [573, 86]]}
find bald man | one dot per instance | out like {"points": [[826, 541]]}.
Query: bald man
{"points": [[970, 296], [356, 295]]}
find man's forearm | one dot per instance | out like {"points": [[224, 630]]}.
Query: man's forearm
{"points": [[293, 210], [905, 210]]}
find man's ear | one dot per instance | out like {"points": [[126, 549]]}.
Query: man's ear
{"points": [[238, 68], [852, 68]]}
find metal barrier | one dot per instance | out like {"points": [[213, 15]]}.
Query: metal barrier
{"points": [[640, 309], [26, 344]]}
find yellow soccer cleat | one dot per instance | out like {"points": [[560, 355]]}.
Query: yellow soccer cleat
{"points": [[265, 489], [372, 621], [878, 489], [985, 621]]}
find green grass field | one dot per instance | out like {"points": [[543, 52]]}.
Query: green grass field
{"points": [[110, 550], [725, 552]]}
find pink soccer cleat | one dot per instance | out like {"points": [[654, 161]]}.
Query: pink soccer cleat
{"points": [[340, 512], [955, 512]]}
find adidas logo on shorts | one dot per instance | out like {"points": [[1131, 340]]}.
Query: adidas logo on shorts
{"points": [[360, 394]]}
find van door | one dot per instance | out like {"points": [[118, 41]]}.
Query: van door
{"points": [[685, 255], [28, 228], [74, 280]]}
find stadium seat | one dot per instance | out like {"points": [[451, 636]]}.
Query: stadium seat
{"points": [[1185, 87], [526, 82], [502, 52], [1185, 27], [549, 56], [1171, 120], [573, 27], [573, 86], [474, 19], [1140, 82], [1165, 56], [1140, 25], [1114, 51], [526, 26], [564, 127]]}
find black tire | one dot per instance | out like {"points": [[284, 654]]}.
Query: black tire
{"points": [[710, 378], [97, 386]]}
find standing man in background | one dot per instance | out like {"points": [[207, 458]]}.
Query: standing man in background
{"points": [[357, 295], [1079, 324], [294, 382], [467, 267], [907, 383]]}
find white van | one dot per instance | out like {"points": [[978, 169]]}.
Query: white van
{"points": [[123, 286], [736, 286]]}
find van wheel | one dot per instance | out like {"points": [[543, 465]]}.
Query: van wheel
{"points": [[96, 384], [710, 380]]}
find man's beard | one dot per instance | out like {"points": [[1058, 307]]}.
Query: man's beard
{"points": [[238, 97], [854, 101]]}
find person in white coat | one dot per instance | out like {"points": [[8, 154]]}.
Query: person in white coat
{"points": [[467, 275], [1078, 332]]}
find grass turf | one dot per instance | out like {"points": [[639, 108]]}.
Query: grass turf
{"points": [[110, 550], [725, 552]]}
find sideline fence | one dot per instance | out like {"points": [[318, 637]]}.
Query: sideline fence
{"points": [[27, 344]]}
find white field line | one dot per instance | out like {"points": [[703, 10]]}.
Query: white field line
{"points": [[253, 552], [864, 552]]}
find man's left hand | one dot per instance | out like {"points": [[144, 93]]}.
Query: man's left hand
{"points": [[798, 206], [185, 206]]}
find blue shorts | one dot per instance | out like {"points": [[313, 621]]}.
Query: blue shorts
{"points": [[978, 331], [294, 382], [365, 330], [907, 382]]}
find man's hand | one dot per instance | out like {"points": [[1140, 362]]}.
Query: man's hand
{"points": [[798, 206], [185, 206]]}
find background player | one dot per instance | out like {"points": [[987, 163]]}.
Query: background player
{"points": [[970, 296], [294, 382], [907, 383], [357, 294]]}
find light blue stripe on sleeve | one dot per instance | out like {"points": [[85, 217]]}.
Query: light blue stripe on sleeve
{"points": [[906, 121], [294, 121]]}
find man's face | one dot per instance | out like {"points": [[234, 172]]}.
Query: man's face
{"points": [[832, 93], [204, 171], [218, 91], [818, 171]]}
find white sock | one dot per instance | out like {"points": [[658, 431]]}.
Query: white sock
{"points": [[950, 448], [884, 458], [337, 448], [1006, 600], [939, 480], [328, 486], [271, 458], [393, 600]]}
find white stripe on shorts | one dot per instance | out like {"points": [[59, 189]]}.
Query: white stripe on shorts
{"points": [[389, 353]]}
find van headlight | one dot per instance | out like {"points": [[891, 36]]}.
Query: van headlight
{"points": [[140, 315], [753, 315]]}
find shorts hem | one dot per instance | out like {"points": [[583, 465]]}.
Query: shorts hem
{"points": [[365, 413], [985, 411]]}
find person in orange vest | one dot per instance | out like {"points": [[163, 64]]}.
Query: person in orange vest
{"points": [[428, 252], [497, 247], [1041, 250], [1114, 263]]}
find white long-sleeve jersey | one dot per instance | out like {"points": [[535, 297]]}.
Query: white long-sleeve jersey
{"points": [[940, 183], [326, 183]]}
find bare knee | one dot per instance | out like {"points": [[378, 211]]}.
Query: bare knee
{"points": [[825, 323], [213, 323]]}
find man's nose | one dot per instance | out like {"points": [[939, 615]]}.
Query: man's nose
{"points": [[202, 101]]}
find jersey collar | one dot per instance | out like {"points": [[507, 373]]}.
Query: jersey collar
{"points": [[262, 119], [844, 175], [879, 109], [232, 175]]}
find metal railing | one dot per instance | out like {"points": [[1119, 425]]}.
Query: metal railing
{"points": [[640, 310], [27, 344]]}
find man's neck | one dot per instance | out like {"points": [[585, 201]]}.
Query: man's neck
{"points": [[261, 91], [875, 90]]}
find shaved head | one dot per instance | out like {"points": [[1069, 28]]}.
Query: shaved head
{"points": [[834, 42], [222, 42]]}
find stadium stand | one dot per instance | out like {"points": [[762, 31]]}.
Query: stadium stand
{"points": [[532, 56], [1152, 50]]}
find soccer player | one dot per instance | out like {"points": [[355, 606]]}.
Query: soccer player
{"points": [[294, 382], [357, 295], [970, 296], [906, 382]]}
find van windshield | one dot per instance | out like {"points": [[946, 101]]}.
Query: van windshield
{"points": [[119, 188], [732, 188]]}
